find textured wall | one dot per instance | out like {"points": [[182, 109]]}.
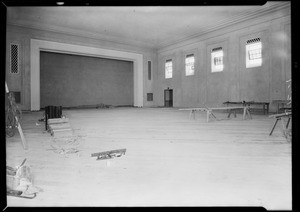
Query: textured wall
{"points": [[73, 80]]}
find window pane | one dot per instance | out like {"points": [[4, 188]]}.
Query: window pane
{"points": [[217, 61], [168, 69], [253, 55], [189, 65]]}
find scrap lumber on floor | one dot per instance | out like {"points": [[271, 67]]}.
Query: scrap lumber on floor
{"points": [[280, 117], [60, 127]]}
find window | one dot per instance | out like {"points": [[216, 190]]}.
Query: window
{"points": [[253, 53], [149, 97], [189, 65], [149, 70], [168, 69], [217, 59], [14, 58]]}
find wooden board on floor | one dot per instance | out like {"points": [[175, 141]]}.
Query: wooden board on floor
{"points": [[59, 126], [57, 120]]}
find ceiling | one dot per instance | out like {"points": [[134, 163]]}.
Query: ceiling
{"points": [[153, 27]]}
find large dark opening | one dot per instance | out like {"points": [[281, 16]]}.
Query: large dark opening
{"points": [[74, 80]]}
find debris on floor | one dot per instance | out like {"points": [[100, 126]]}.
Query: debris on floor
{"points": [[66, 145], [109, 154], [42, 119], [103, 106], [20, 182], [59, 127]]}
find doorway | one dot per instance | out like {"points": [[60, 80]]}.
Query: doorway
{"points": [[168, 97]]}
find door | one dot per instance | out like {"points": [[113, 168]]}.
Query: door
{"points": [[168, 98]]}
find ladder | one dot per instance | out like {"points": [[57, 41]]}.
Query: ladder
{"points": [[12, 103]]}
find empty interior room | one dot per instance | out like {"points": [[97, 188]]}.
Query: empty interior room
{"points": [[148, 105]]}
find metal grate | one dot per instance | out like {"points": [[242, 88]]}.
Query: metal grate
{"points": [[149, 97], [254, 40], [216, 49], [14, 58]]}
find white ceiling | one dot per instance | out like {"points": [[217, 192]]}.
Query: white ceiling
{"points": [[153, 27]]}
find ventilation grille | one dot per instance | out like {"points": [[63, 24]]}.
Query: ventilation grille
{"points": [[14, 58], [254, 40], [149, 96], [216, 49]]}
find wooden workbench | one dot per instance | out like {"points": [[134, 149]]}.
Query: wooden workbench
{"points": [[244, 103], [209, 113]]}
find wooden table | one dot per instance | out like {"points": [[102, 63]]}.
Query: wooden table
{"points": [[244, 103], [209, 113]]}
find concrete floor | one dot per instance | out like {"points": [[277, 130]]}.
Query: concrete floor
{"points": [[171, 160]]}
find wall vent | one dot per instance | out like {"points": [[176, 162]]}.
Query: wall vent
{"points": [[17, 96], [189, 55], [149, 97], [216, 49], [14, 58], [254, 40]]}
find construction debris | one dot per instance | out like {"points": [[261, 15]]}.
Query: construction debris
{"points": [[109, 154], [66, 145], [103, 106], [60, 127], [20, 182]]}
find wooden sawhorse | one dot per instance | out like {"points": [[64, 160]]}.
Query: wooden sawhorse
{"points": [[280, 117], [209, 113]]}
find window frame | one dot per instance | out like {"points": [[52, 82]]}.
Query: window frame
{"points": [[216, 51], [168, 73], [186, 65], [256, 62]]}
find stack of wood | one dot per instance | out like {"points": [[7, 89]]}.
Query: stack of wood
{"points": [[59, 127]]}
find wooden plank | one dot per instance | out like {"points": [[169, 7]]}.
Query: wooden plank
{"points": [[24, 142], [280, 115], [226, 108], [214, 108], [62, 132], [57, 120], [59, 126], [108, 152], [199, 109]]}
